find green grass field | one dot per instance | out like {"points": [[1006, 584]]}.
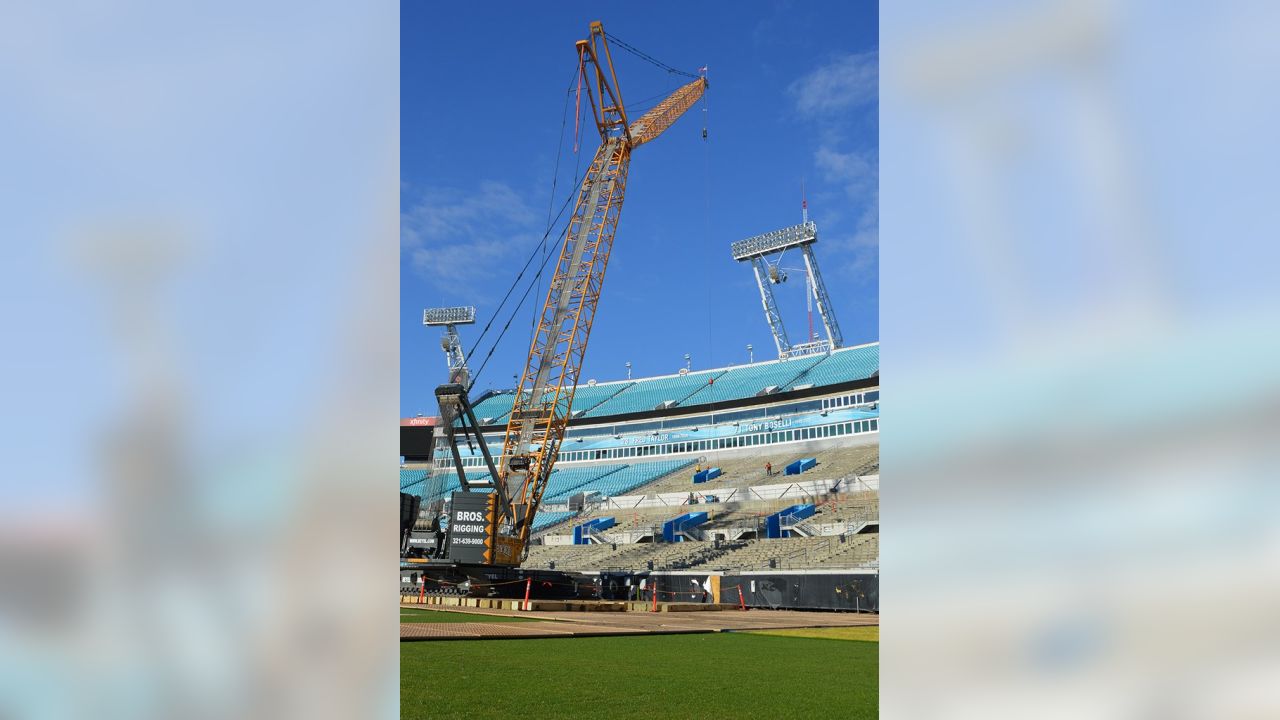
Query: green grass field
{"points": [[416, 615], [870, 633], [718, 675]]}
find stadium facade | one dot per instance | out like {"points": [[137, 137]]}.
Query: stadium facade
{"points": [[761, 479]]}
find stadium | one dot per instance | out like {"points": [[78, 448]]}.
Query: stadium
{"points": [[639, 532], [755, 486], [760, 477]]}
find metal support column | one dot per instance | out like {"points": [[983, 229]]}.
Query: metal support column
{"points": [[771, 307], [757, 250], [820, 296]]}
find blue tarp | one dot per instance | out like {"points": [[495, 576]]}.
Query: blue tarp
{"points": [[580, 532], [676, 525], [773, 524], [705, 475], [801, 465]]}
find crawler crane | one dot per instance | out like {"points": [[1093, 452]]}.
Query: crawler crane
{"points": [[491, 529]]}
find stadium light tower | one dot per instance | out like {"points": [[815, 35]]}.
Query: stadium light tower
{"points": [[628, 369], [757, 250], [751, 356], [688, 362], [450, 318]]}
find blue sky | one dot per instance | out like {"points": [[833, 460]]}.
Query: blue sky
{"points": [[794, 95]]}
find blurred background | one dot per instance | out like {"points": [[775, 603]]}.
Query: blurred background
{"points": [[199, 216], [199, 212], [1080, 337]]}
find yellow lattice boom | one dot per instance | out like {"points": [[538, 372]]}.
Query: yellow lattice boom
{"points": [[544, 398]]}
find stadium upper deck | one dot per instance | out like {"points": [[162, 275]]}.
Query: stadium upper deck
{"points": [[705, 387], [726, 409], [628, 435]]}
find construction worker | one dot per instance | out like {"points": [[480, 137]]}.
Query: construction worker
{"points": [[768, 469]]}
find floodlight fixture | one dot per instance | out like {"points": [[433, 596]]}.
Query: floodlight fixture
{"points": [[756, 250], [776, 241], [464, 315], [455, 358]]}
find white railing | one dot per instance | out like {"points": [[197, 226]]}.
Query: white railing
{"points": [[807, 489]]}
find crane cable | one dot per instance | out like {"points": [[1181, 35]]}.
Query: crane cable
{"points": [[541, 243], [555, 179], [506, 326], [539, 247], [706, 229], [577, 174], [646, 57]]}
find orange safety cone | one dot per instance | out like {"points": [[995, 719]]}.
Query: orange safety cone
{"points": [[742, 604], [655, 597], [528, 585]]}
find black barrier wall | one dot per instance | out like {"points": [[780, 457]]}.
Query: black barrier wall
{"points": [[798, 591], [853, 592]]}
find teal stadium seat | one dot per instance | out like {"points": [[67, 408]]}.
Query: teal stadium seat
{"points": [[587, 397], [608, 480], [747, 380], [497, 407], [636, 475], [648, 394], [411, 479], [544, 520], [433, 486], [616, 398], [842, 366], [565, 482]]}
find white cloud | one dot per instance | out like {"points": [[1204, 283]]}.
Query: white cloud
{"points": [[854, 252], [858, 173], [846, 81], [446, 232], [830, 97]]}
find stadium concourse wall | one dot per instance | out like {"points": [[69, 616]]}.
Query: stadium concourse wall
{"points": [[856, 590], [800, 490], [727, 439], [416, 432]]}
